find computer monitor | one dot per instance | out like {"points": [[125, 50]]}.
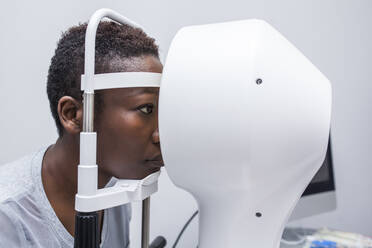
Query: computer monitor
{"points": [[320, 195]]}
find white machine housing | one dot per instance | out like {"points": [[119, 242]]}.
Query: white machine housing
{"points": [[244, 121]]}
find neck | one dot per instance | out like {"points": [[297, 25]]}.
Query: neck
{"points": [[60, 164], [59, 177]]}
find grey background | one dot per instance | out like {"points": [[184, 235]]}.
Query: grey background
{"points": [[334, 34]]}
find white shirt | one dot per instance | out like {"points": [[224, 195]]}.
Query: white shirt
{"points": [[28, 220]]}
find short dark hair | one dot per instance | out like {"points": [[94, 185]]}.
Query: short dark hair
{"points": [[67, 64]]}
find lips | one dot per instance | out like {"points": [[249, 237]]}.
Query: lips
{"points": [[156, 161], [156, 158]]}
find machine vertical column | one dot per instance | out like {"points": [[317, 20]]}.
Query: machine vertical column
{"points": [[145, 223]]}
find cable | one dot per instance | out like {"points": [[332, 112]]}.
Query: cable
{"points": [[293, 242], [301, 238], [184, 228]]}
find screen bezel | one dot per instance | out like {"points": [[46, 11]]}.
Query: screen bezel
{"points": [[329, 185]]}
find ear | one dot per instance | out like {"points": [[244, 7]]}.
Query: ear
{"points": [[70, 112]]}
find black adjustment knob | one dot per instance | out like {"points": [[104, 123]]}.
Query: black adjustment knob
{"points": [[86, 230], [159, 242]]}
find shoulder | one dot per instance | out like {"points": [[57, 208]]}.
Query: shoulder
{"points": [[11, 233], [16, 178], [24, 215], [15, 183]]}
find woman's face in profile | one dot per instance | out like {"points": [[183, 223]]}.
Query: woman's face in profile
{"points": [[127, 127]]}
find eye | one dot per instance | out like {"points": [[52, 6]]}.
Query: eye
{"points": [[146, 109]]}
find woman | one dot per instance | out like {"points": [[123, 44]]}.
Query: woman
{"points": [[37, 192]]}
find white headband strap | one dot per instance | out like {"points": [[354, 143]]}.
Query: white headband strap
{"points": [[123, 80]]}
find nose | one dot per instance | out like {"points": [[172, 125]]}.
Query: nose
{"points": [[155, 136]]}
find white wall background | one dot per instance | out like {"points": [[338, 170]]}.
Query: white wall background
{"points": [[336, 35]]}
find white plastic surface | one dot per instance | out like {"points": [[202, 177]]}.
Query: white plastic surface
{"points": [[242, 147], [124, 191], [123, 80], [88, 147], [87, 169], [314, 204], [87, 183]]}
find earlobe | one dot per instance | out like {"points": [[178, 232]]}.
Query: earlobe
{"points": [[70, 114]]}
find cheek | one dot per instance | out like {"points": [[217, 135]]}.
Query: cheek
{"points": [[128, 124], [122, 136]]}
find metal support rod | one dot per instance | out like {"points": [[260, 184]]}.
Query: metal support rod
{"points": [[88, 112], [145, 223]]}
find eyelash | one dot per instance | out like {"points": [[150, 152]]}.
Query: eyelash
{"points": [[146, 106]]}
